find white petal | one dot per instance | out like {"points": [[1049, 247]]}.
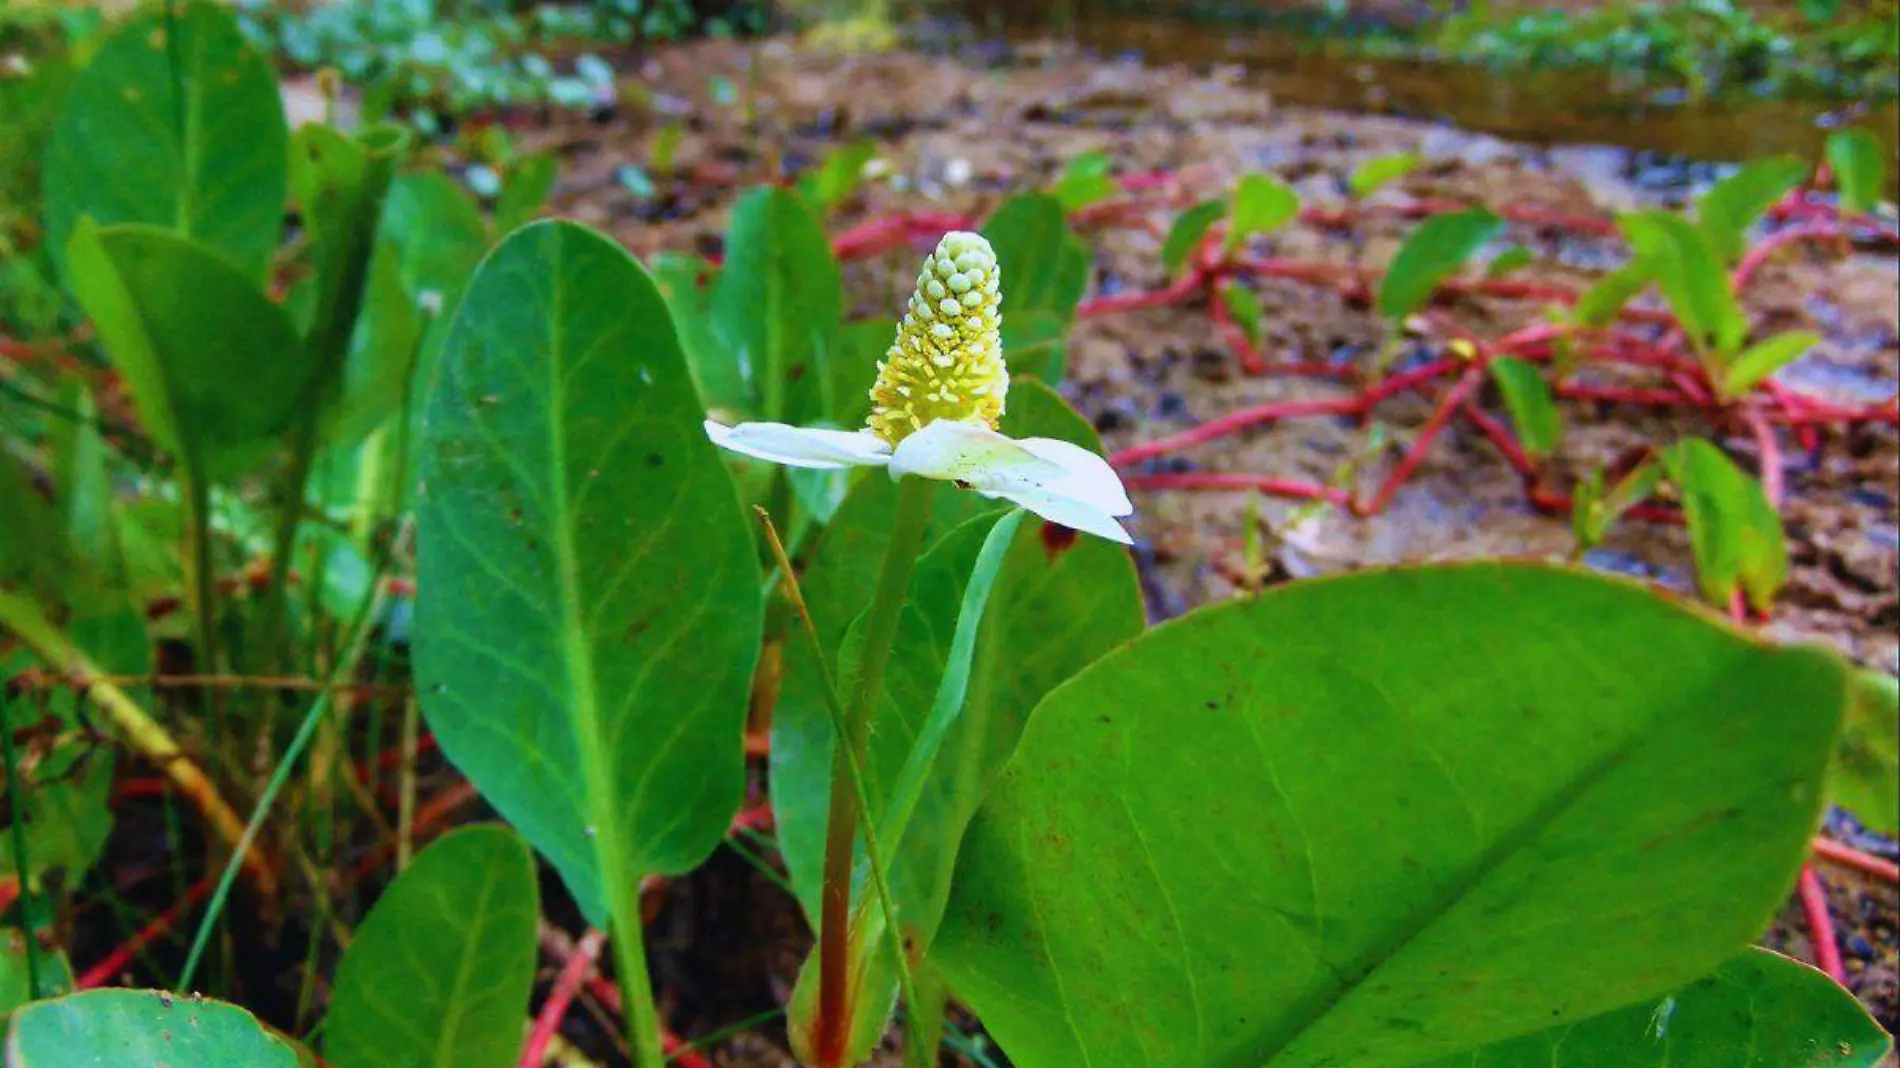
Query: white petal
{"points": [[1063, 483], [1089, 476], [1072, 513], [802, 446]]}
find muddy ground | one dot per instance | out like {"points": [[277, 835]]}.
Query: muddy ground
{"points": [[960, 132]]}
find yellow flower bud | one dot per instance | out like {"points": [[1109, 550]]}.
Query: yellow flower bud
{"points": [[947, 360]]}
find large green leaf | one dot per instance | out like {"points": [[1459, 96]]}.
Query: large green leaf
{"points": [[438, 975], [777, 304], [589, 612], [1043, 266], [1439, 247], [120, 1028], [1759, 1010], [176, 125], [1735, 203], [215, 369], [1385, 818]]}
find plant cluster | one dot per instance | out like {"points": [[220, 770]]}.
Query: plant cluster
{"points": [[603, 531]]}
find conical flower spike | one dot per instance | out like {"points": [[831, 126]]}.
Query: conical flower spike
{"points": [[947, 361]]}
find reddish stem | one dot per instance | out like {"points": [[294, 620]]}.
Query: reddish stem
{"points": [[1879, 868], [1240, 481], [109, 967], [1827, 947], [580, 960], [1753, 260], [1773, 483], [1434, 426]]}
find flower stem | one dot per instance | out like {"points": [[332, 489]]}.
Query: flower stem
{"points": [[880, 630]]}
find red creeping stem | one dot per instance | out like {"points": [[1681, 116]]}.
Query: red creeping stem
{"points": [[1885, 870], [112, 964], [566, 985], [1827, 947]]}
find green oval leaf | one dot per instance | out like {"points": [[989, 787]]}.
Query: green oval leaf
{"points": [[1760, 361], [1379, 171], [1737, 202], [1085, 181], [209, 163], [1759, 1010], [576, 532], [1859, 163], [1189, 228], [438, 975], [1439, 247], [1679, 258], [1043, 266], [216, 370], [1533, 409], [777, 307], [114, 1028], [1590, 796], [1733, 529], [1261, 203]]}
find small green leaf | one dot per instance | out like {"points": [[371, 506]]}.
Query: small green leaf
{"points": [[1583, 817], [1511, 259], [576, 529], [838, 177], [1434, 251], [428, 240], [1865, 778], [1599, 305], [1596, 509], [1085, 181], [1735, 203], [141, 1027], [525, 189], [34, 555], [1189, 229], [1379, 171], [778, 304], [1678, 257], [340, 182], [1760, 361], [1043, 265], [216, 371], [1243, 304], [65, 798], [175, 124], [1261, 203], [1759, 1010], [1859, 163], [1533, 409], [440, 971], [1733, 529]]}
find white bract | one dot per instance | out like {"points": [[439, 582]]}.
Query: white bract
{"points": [[935, 405]]}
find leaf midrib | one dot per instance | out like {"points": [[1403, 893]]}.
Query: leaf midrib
{"points": [[447, 1044]]}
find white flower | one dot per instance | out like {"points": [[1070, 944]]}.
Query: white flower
{"points": [[938, 396]]}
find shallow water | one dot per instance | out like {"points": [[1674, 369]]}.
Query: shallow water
{"points": [[1536, 107]]}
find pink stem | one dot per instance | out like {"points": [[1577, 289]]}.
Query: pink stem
{"points": [[567, 984], [1827, 947], [1879, 868]]}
